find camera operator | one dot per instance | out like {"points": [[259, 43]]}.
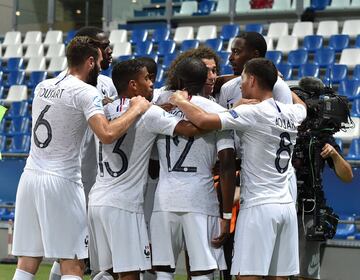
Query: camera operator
{"points": [[309, 250]]}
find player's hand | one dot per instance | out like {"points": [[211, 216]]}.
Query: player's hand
{"points": [[218, 241], [106, 100], [177, 96], [140, 104], [167, 107], [328, 151], [245, 101]]}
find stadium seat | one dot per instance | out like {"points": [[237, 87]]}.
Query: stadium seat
{"points": [[277, 29], [357, 41], [35, 78], [228, 49], [143, 48], [355, 110], [32, 38], [34, 50], [302, 29], [327, 28], [205, 8], [168, 59], [351, 133], [166, 47], [18, 109], [339, 142], [188, 8], [354, 151], [16, 93], [55, 50], [274, 56], [325, 57], [53, 37], [226, 69], [69, 36], [229, 31], [254, 27], [356, 73], [12, 38], [154, 56], [281, 5], [57, 64], [138, 35], [160, 34], [313, 42], [107, 72], [2, 143], [269, 43], [14, 63], [242, 6], [19, 125], [13, 51], [36, 64], [287, 43], [344, 231], [189, 44], [120, 49], [339, 42], [117, 36], [15, 77], [183, 33], [309, 70], [350, 88], [297, 58], [215, 44], [319, 5], [19, 144], [355, 3], [222, 7], [224, 57], [286, 70], [206, 32], [350, 57], [351, 27], [335, 74], [1, 92], [339, 4]]}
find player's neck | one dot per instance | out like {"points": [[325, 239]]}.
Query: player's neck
{"points": [[264, 95]]}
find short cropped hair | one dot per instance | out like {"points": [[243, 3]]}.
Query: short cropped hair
{"points": [[264, 70], [80, 49], [125, 71], [150, 64], [90, 31], [254, 41]]}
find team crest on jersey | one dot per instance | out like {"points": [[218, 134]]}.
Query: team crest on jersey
{"points": [[147, 252], [233, 114], [97, 101]]}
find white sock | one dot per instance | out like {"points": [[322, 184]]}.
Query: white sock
{"points": [[103, 275], [22, 275], [209, 276], [55, 273], [161, 275], [70, 277]]}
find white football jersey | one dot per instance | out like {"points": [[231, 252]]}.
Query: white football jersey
{"points": [[230, 92], [268, 133], [60, 111], [186, 182], [106, 86], [123, 165]]}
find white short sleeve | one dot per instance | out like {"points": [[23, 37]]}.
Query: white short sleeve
{"points": [[282, 92], [299, 113], [89, 101], [241, 118], [158, 121], [224, 140]]}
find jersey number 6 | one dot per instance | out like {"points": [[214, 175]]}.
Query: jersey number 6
{"points": [[42, 121]]}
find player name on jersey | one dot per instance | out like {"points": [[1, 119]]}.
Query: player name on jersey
{"points": [[285, 123], [50, 92]]}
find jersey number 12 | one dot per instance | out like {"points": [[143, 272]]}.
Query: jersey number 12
{"points": [[178, 164]]}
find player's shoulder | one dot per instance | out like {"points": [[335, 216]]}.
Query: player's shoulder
{"points": [[206, 104], [231, 83], [163, 96], [116, 108], [105, 79]]}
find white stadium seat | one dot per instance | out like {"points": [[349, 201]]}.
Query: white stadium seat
{"points": [[55, 50], [188, 8], [183, 33], [32, 38], [12, 38], [16, 93], [269, 43], [277, 29], [13, 51], [36, 64], [287, 43], [350, 57], [34, 50], [302, 29], [53, 37], [242, 6], [121, 48], [339, 4], [206, 32], [355, 3], [57, 64], [327, 28], [117, 36], [351, 27], [281, 5], [222, 7]]}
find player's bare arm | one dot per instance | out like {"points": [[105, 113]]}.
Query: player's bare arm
{"points": [[297, 100], [227, 183], [109, 131], [195, 114]]}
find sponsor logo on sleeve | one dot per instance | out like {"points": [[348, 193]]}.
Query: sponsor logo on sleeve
{"points": [[233, 114]]}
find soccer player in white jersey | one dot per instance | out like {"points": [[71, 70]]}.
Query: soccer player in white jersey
{"points": [[186, 208], [244, 47], [50, 219], [118, 235], [266, 232]]}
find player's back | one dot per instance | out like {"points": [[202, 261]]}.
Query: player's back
{"points": [[186, 182], [60, 110]]}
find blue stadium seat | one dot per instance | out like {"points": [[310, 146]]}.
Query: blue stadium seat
{"points": [[226, 69], [215, 44], [160, 34], [13, 64], [18, 109], [205, 8], [138, 35], [1, 76], [357, 41], [19, 144], [335, 74], [189, 44], [254, 27], [7, 213], [343, 231], [319, 4], [143, 48], [2, 143], [166, 47], [286, 70], [339, 142], [229, 31], [125, 57], [107, 72], [313, 42], [69, 36], [159, 81], [355, 109], [168, 59], [1, 92], [297, 57], [35, 78], [354, 151], [325, 57], [274, 56], [15, 77], [224, 57], [350, 88], [356, 73], [19, 125], [309, 69], [154, 56], [339, 42]]}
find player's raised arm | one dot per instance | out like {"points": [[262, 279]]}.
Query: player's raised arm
{"points": [[297, 100], [109, 131], [195, 114]]}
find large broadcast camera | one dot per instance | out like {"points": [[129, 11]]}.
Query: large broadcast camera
{"points": [[327, 113]]}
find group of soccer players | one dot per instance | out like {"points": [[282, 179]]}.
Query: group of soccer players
{"points": [[102, 138]]}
